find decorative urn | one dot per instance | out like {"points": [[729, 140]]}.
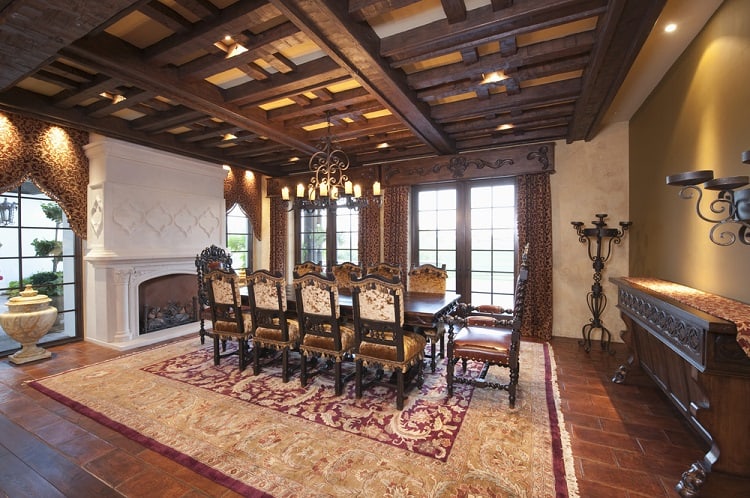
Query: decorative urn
{"points": [[28, 318]]}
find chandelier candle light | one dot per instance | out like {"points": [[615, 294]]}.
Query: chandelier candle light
{"points": [[330, 181], [732, 206]]}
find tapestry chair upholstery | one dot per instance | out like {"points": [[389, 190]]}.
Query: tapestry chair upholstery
{"points": [[323, 333], [272, 329], [387, 270], [491, 339], [429, 279], [343, 274], [307, 267], [381, 340], [228, 317], [211, 258]]}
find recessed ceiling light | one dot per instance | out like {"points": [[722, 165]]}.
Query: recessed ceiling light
{"points": [[229, 136], [382, 145], [670, 28], [504, 127], [493, 77]]}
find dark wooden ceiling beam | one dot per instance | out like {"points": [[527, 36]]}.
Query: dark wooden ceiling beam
{"points": [[539, 53], [340, 99], [309, 76], [200, 8], [483, 26], [100, 83], [544, 134], [111, 56], [559, 66], [204, 33], [29, 104], [455, 10], [531, 115], [355, 46], [625, 28], [106, 107], [552, 93], [33, 31], [361, 10], [210, 64], [165, 16]]}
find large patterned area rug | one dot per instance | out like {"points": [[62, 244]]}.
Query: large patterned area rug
{"points": [[261, 437]]}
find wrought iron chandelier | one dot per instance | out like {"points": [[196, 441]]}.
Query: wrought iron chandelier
{"points": [[330, 182], [732, 206]]}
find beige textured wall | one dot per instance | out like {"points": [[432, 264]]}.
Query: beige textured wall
{"points": [[590, 178], [697, 118]]}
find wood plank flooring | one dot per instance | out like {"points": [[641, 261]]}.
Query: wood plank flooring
{"points": [[627, 440]]}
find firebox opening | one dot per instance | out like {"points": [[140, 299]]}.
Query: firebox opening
{"points": [[167, 301]]}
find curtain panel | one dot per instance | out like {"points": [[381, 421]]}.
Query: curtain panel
{"points": [[244, 190], [396, 221], [279, 232], [53, 158], [369, 232], [534, 218]]}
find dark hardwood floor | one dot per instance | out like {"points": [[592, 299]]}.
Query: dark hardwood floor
{"points": [[627, 440]]}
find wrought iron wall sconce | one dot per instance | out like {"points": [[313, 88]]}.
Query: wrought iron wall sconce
{"points": [[7, 212], [599, 240], [731, 207]]}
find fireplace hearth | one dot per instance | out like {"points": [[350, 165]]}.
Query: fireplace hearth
{"points": [[167, 301]]}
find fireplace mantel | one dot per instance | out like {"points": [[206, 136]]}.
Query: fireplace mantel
{"points": [[150, 214]]}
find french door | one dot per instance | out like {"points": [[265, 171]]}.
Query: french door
{"points": [[470, 227]]}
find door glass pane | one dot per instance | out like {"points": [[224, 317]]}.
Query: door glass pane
{"points": [[492, 228], [313, 235], [347, 234], [37, 247], [436, 230]]}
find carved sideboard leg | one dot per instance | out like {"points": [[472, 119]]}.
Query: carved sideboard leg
{"points": [[622, 372], [692, 480]]}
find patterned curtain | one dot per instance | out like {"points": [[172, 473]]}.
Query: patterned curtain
{"points": [[396, 221], [535, 227], [52, 157], [369, 232], [243, 189], [278, 235]]}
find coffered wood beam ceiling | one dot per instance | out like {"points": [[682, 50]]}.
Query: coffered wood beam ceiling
{"points": [[251, 82]]}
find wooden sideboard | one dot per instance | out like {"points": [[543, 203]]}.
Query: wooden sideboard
{"points": [[695, 359]]}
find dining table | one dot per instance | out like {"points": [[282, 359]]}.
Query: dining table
{"points": [[422, 311]]}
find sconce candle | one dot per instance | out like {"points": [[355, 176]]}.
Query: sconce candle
{"points": [[732, 206]]}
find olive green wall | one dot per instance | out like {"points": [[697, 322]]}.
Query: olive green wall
{"points": [[698, 117]]}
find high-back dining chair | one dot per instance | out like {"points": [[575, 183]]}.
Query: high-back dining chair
{"points": [[429, 279], [343, 274], [387, 270], [307, 267], [492, 339], [210, 258], [381, 340], [228, 318], [323, 333], [271, 327]]}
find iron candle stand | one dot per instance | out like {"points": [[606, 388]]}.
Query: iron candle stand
{"points": [[597, 300]]}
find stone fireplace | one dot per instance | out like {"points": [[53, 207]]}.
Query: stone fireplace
{"points": [[150, 214]]}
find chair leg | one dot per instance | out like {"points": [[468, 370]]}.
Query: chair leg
{"points": [[432, 354], [512, 387], [399, 389], [256, 359], [285, 365], [358, 380], [339, 382], [241, 352], [216, 349], [449, 376], [303, 369], [202, 332]]}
